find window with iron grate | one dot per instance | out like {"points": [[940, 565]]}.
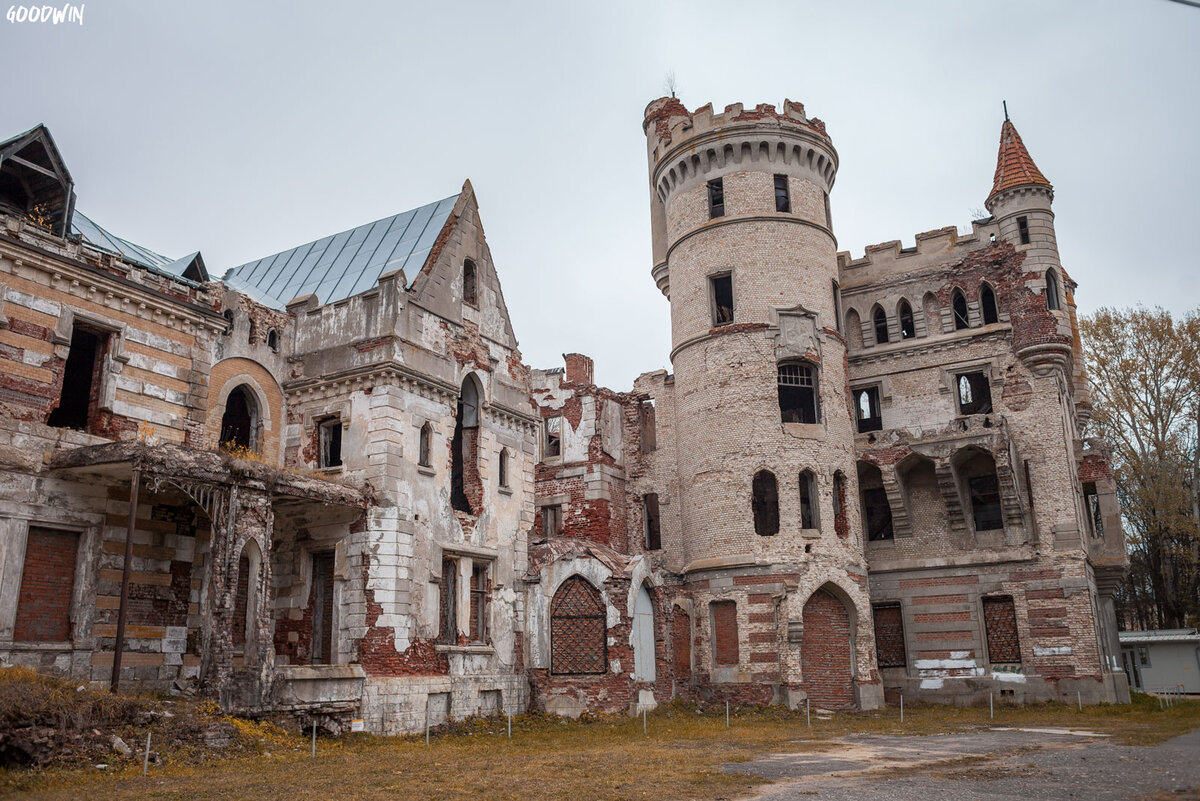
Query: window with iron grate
{"points": [[889, 636], [578, 633], [1000, 626]]}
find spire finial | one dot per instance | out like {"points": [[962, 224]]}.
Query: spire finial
{"points": [[1005, 103]]}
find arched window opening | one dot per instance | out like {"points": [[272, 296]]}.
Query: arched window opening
{"points": [[879, 319], [578, 631], [643, 636], [977, 471], [876, 511], [987, 305], [841, 521], [908, 326], [765, 504], [961, 318], [466, 489], [503, 468], [1053, 302], [239, 423], [228, 315], [469, 291], [808, 500], [798, 393], [425, 450], [273, 340]]}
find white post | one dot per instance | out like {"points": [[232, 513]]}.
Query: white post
{"points": [[509, 725], [727, 714], [146, 759], [314, 739], [901, 707], [643, 720], [1079, 698], [427, 720], [1160, 703], [991, 708], [808, 711]]}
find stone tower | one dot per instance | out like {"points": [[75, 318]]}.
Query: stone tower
{"points": [[771, 543]]}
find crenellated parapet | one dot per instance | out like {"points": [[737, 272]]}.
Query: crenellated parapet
{"points": [[938, 246]]}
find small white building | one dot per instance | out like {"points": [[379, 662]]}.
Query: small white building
{"points": [[1165, 660]]}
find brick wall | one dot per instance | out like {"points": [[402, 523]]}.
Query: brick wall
{"points": [[826, 652], [47, 584]]}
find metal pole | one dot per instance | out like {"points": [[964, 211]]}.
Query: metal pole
{"points": [[991, 708], [314, 746], [727, 714], [509, 725], [643, 720], [1079, 698], [123, 610], [146, 759], [901, 707], [426, 721], [808, 712]]}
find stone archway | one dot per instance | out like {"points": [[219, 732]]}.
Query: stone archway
{"points": [[827, 651]]}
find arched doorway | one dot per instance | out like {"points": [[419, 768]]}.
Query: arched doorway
{"points": [[827, 651], [643, 636], [239, 423]]}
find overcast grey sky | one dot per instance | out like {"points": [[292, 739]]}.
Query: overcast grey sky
{"points": [[242, 129]]}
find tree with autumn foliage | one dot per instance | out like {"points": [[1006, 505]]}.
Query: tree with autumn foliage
{"points": [[1144, 368]]}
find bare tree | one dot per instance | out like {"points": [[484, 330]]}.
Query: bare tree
{"points": [[669, 84]]}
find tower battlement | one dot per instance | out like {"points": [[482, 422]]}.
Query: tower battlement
{"points": [[668, 123]]}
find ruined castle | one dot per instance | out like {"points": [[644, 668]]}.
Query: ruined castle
{"points": [[327, 485]]}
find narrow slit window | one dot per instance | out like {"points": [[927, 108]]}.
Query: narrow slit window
{"points": [[908, 326], [765, 504], [961, 317], [808, 499], [716, 198], [652, 524], [469, 291], [783, 201], [828, 216], [722, 299], [1091, 503], [273, 340], [330, 435], [448, 603], [646, 423], [987, 304], [1053, 301], [841, 522], [426, 446], [837, 306], [879, 318], [866, 407], [1023, 230], [797, 385], [974, 394], [503, 468]]}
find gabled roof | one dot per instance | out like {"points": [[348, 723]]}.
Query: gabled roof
{"points": [[1014, 165], [102, 239], [345, 264], [33, 176]]}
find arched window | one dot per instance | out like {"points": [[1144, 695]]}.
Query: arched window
{"points": [[987, 305], [426, 446], [1053, 302], [469, 294], [578, 631], [245, 599], [228, 315], [503, 468], [765, 504], [879, 319], [808, 500], [961, 319], [239, 423], [273, 340], [797, 382], [908, 326], [466, 490]]}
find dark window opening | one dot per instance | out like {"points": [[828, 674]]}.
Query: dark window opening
{"points": [[79, 402], [987, 304], [889, 636], [866, 408], [724, 633], [553, 437], [448, 603], [808, 500], [877, 512], [466, 491], [228, 315], [330, 433], [322, 608], [722, 297], [837, 306], [716, 198], [881, 327], [503, 471], [985, 503], [798, 393], [765, 504], [239, 423], [1023, 230], [1091, 502], [273, 340], [783, 201], [646, 423], [469, 282], [1029, 484], [424, 452], [481, 588], [578, 629], [551, 521], [974, 394], [908, 326], [961, 318], [1053, 302], [651, 516], [1000, 627], [47, 586]]}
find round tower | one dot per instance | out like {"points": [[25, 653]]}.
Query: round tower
{"points": [[744, 251]]}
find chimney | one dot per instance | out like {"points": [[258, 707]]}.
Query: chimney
{"points": [[579, 368]]}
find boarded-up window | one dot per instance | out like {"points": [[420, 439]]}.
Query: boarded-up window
{"points": [[725, 633], [1000, 624], [889, 636], [447, 603], [681, 643], [47, 583], [653, 531], [322, 608], [577, 629]]}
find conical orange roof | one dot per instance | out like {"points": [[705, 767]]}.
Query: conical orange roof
{"points": [[1014, 165]]}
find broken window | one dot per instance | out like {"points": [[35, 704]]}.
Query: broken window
{"points": [[330, 434], [551, 521], [783, 201], [239, 423], [425, 450], [79, 401], [552, 436], [1052, 299], [321, 607], [578, 629], [961, 317], [466, 489], [448, 603], [503, 468], [650, 514], [877, 512], [1000, 626], [1091, 503], [866, 408], [228, 315], [889, 636], [647, 423], [716, 198], [47, 586], [481, 588], [879, 319], [469, 282], [974, 394], [765, 503], [797, 384], [985, 503], [724, 633], [273, 340], [908, 326], [841, 524], [987, 305], [1023, 230], [722, 299], [808, 499]]}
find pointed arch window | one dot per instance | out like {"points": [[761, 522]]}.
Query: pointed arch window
{"points": [[879, 319], [961, 318], [503, 471], [469, 279], [426, 446], [765, 504], [808, 499], [987, 305], [1053, 301], [908, 326]]}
